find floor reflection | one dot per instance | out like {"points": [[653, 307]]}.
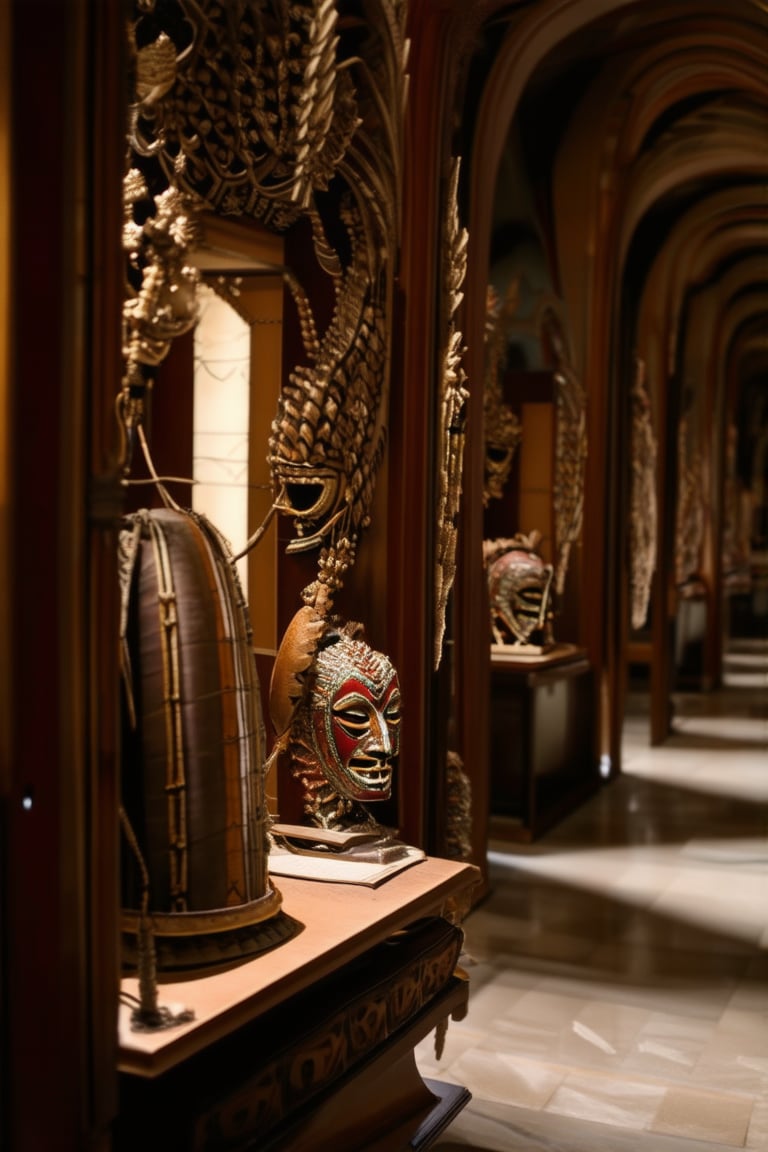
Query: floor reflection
{"points": [[619, 965]]}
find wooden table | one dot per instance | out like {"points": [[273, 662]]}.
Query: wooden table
{"points": [[210, 1075]]}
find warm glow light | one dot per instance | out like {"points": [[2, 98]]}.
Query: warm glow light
{"points": [[221, 412]]}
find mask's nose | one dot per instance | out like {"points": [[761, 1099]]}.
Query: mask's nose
{"points": [[379, 742]]}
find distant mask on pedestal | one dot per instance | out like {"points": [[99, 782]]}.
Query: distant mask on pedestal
{"points": [[519, 588]]}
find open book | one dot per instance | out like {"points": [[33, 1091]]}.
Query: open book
{"points": [[339, 857]]}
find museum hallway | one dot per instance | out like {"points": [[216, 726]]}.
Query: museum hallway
{"points": [[619, 965]]}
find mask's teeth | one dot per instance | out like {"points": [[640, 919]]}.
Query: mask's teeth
{"points": [[372, 777]]}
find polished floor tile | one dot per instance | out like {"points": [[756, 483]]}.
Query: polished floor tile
{"points": [[709, 1116], [619, 965]]}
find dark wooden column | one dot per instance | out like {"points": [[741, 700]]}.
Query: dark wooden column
{"points": [[60, 973], [431, 696]]}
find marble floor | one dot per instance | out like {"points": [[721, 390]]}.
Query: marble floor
{"points": [[619, 965]]}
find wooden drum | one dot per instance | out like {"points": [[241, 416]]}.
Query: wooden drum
{"points": [[194, 812]]}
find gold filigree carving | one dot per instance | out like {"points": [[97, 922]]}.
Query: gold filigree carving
{"points": [[502, 429], [643, 514], [161, 289], [254, 114], [452, 407]]}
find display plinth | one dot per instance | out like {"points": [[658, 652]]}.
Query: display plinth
{"points": [[543, 759], [296, 1048]]}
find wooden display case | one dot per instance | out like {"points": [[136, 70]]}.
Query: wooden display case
{"points": [[543, 761], [310, 1046]]}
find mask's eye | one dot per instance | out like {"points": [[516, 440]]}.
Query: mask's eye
{"points": [[353, 719], [393, 712]]}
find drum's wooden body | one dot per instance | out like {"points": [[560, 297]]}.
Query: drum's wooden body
{"points": [[192, 787]]}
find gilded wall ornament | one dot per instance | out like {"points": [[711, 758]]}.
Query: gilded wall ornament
{"points": [[452, 407], [643, 513]]}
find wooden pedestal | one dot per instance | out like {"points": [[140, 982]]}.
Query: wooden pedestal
{"points": [[543, 759], [310, 1046]]}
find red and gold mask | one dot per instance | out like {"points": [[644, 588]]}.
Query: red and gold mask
{"points": [[355, 718]]}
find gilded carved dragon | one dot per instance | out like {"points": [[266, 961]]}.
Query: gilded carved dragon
{"points": [[280, 112]]}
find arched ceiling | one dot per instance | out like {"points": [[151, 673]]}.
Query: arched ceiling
{"points": [[631, 138]]}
